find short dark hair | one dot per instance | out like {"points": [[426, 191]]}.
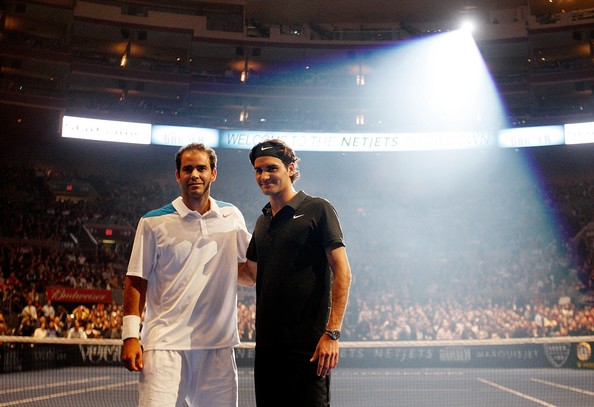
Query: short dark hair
{"points": [[212, 155], [279, 149]]}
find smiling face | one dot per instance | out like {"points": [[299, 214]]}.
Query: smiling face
{"points": [[272, 176], [195, 177]]}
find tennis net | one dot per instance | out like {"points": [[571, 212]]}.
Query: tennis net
{"points": [[547, 371]]}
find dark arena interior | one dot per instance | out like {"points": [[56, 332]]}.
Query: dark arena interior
{"points": [[460, 161]]}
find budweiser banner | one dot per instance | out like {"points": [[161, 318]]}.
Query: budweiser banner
{"points": [[78, 295]]}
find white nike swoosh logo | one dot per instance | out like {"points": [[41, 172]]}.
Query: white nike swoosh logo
{"points": [[297, 216], [265, 148], [226, 214]]}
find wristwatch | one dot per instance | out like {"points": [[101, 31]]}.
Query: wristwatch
{"points": [[334, 334]]}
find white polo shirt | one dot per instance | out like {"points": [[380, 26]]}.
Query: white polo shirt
{"points": [[190, 262]]}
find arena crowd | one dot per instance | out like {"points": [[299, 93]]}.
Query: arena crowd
{"points": [[520, 280]]}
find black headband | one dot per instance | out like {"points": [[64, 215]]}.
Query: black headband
{"points": [[270, 149]]}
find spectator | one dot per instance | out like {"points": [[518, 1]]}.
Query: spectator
{"points": [[41, 330], [26, 327], [48, 309], [66, 325], [53, 329], [30, 311], [113, 330], [90, 331], [77, 331]]}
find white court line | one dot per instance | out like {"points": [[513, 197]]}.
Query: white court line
{"points": [[66, 393], [517, 393], [562, 386], [58, 384]]}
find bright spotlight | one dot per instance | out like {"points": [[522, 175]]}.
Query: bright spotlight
{"points": [[467, 26], [439, 83]]}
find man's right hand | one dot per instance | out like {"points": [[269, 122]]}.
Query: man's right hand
{"points": [[132, 355]]}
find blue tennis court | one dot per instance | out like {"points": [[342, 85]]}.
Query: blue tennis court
{"points": [[114, 386]]}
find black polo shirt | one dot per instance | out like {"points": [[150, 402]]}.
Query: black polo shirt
{"points": [[293, 286]]}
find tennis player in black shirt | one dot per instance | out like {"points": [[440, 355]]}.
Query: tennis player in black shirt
{"points": [[298, 261]]}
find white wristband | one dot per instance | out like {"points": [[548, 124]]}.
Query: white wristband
{"points": [[130, 326]]}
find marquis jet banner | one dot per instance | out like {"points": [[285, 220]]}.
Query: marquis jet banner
{"points": [[361, 142], [146, 133]]}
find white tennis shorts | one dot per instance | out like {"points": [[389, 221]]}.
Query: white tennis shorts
{"points": [[200, 378]]}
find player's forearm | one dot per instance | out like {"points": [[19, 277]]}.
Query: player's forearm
{"points": [[340, 295], [134, 295]]}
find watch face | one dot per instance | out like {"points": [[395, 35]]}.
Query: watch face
{"points": [[333, 333]]}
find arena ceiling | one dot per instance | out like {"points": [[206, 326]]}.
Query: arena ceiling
{"points": [[382, 11], [275, 12], [210, 100], [370, 11]]}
